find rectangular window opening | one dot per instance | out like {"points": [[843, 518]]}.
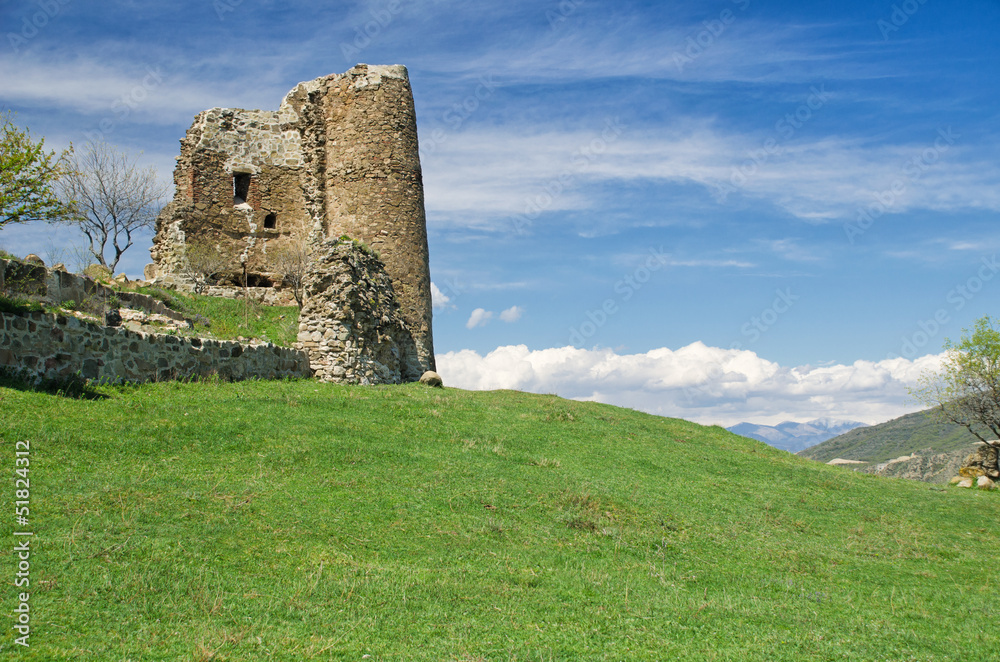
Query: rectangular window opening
{"points": [[241, 187]]}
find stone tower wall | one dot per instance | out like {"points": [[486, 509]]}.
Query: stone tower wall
{"points": [[223, 143], [366, 171], [339, 157]]}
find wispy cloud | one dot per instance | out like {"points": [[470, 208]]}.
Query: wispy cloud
{"points": [[614, 44], [488, 175], [97, 88]]}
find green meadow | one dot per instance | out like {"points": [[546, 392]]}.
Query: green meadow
{"points": [[303, 521]]}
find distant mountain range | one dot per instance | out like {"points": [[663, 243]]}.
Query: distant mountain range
{"points": [[794, 437]]}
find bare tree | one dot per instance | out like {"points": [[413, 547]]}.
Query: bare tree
{"points": [[111, 197], [205, 262], [291, 261]]}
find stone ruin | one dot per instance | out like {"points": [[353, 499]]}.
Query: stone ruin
{"points": [[981, 468], [338, 159]]}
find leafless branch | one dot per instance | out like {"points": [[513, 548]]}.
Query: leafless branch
{"points": [[112, 198]]}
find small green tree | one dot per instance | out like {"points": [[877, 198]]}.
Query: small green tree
{"points": [[966, 390], [27, 176]]}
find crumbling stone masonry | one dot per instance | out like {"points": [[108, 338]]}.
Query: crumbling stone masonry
{"points": [[56, 346], [339, 157], [350, 323], [44, 345]]}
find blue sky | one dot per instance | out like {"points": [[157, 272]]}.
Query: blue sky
{"points": [[724, 211]]}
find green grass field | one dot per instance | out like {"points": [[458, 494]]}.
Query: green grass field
{"points": [[305, 521]]}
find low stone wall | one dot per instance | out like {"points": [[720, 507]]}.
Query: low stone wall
{"points": [[268, 296], [56, 287], [57, 347]]}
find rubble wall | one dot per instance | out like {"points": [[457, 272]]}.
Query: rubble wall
{"points": [[350, 324], [51, 346]]}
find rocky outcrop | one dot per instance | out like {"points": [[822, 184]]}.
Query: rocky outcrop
{"points": [[350, 324], [981, 467], [925, 466]]}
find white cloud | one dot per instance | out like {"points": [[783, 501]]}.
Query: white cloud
{"points": [[705, 384], [486, 177], [747, 51], [439, 300], [512, 314], [479, 317], [155, 87]]}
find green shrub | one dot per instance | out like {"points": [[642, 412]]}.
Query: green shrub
{"points": [[18, 304]]}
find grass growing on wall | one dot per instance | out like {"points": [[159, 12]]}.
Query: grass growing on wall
{"points": [[303, 521], [234, 318]]}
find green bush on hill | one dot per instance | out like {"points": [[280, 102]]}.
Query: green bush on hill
{"points": [[901, 436]]}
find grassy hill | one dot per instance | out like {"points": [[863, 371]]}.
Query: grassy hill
{"points": [[901, 436], [304, 521]]}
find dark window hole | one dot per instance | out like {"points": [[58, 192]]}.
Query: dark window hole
{"points": [[241, 187]]}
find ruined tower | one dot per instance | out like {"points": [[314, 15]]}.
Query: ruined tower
{"points": [[339, 157]]}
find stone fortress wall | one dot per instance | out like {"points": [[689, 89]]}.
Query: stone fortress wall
{"points": [[339, 157], [56, 346]]}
